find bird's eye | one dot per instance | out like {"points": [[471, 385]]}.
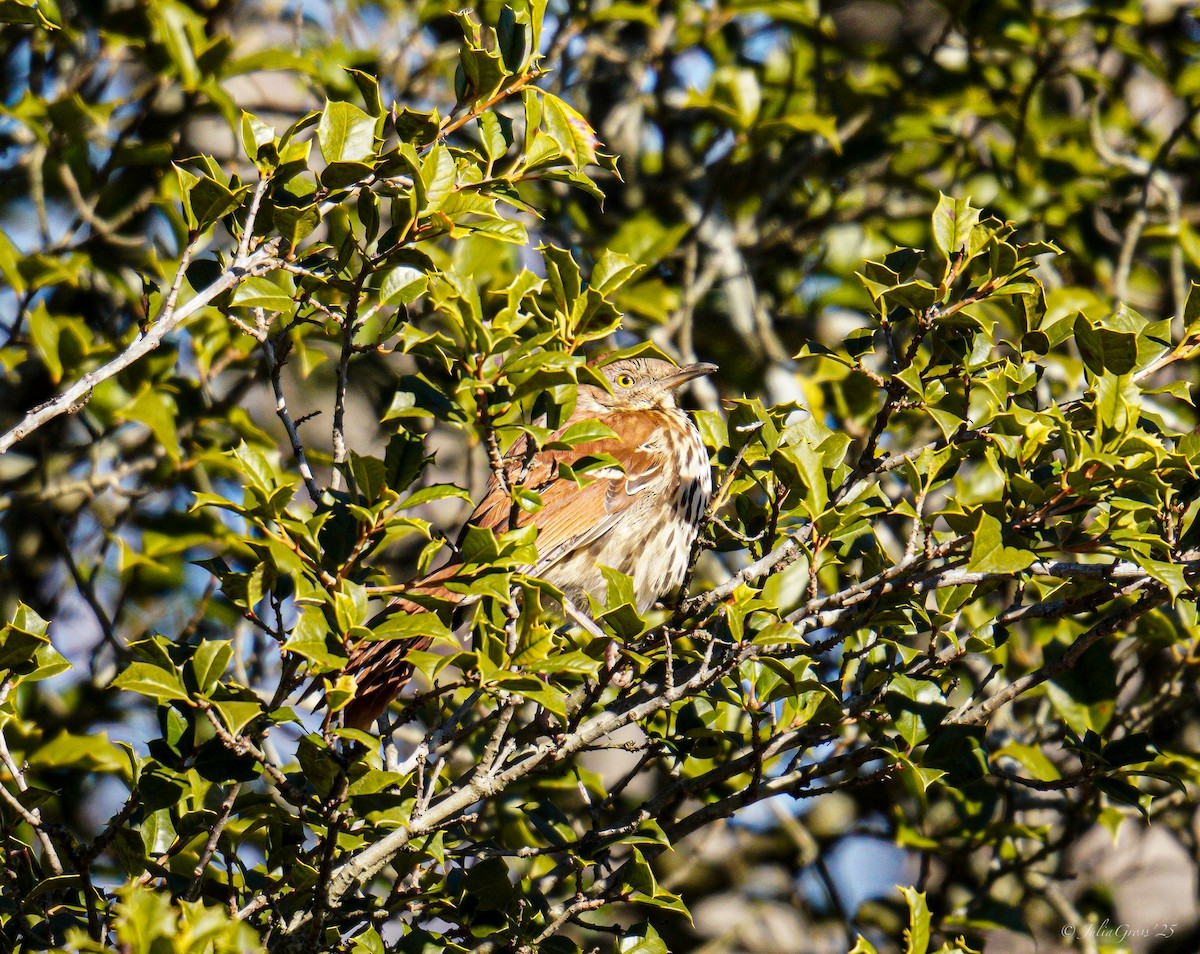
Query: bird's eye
{"points": [[625, 380]]}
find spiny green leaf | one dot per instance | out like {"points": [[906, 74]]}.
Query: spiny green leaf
{"points": [[953, 220], [916, 935], [154, 681], [989, 553], [1105, 349], [346, 133]]}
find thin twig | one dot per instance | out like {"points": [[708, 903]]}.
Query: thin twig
{"points": [[978, 714], [275, 365], [450, 125], [251, 216], [87, 487], [349, 327], [31, 815], [241, 745], [193, 891]]}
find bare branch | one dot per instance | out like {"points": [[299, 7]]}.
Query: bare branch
{"points": [[241, 745], [88, 487], [169, 317], [647, 700], [275, 364], [31, 815], [349, 327], [251, 216], [193, 891], [978, 714]]}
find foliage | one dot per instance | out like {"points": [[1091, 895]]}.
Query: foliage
{"points": [[947, 590]]}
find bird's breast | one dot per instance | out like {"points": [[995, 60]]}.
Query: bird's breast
{"points": [[663, 500]]}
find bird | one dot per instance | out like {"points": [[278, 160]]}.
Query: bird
{"points": [[640, 518]]}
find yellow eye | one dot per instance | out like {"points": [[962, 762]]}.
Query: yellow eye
{"points": [[625, 380]]}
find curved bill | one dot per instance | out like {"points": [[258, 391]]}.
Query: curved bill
{"points": [[688, 372]]}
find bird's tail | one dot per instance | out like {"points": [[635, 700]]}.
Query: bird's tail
{"points": [[381, 668]]}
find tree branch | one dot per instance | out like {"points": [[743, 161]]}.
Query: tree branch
{"points": [[978, 714], [169, 317], [31, 815], [275, 365]]}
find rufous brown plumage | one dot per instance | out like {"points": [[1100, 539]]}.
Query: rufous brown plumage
{"points": [[640, 518]]}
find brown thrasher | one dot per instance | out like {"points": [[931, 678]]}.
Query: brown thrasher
{"points": [[640, 519]]}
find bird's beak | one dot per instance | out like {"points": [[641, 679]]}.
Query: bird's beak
{"points": [[687, 373]]}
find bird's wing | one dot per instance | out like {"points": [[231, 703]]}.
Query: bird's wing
{"points": [[572, 516]]}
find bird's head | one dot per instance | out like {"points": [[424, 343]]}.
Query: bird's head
{"points": [[638, 384]]}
